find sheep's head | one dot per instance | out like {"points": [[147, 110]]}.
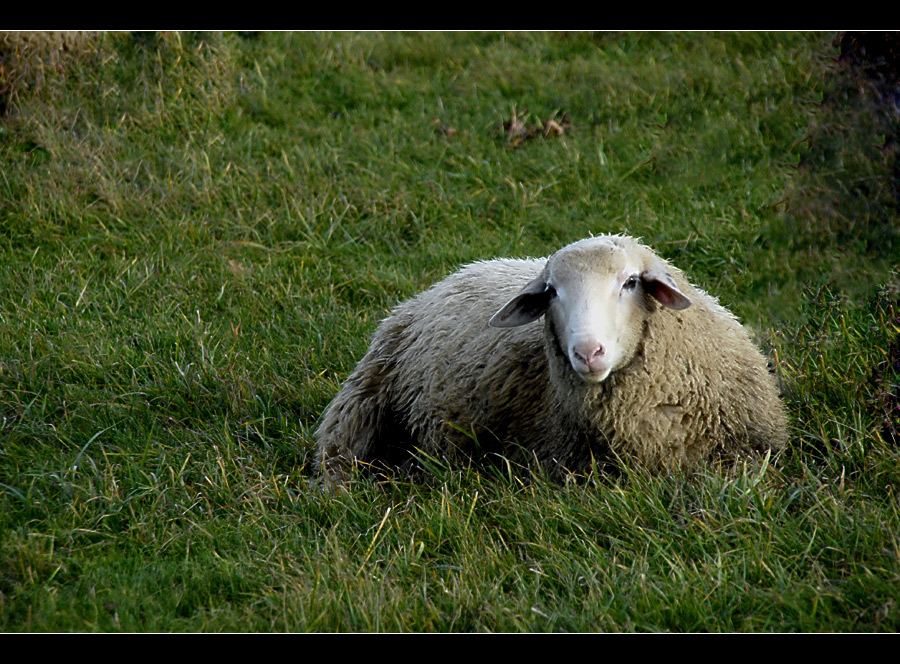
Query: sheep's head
{"points": [[595, 294]]}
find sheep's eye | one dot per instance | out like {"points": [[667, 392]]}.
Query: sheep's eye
{"points": [[630, 283], [550, 291]]}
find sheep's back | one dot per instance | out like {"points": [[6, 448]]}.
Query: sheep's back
{"points": [[454, 371]]}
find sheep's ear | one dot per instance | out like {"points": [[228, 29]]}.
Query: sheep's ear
{"points": [[530, 304], [661, 286]]}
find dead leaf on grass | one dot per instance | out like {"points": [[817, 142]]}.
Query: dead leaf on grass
{"points": [[517, 131], [237, 269], [443, 130], [558, 127]]}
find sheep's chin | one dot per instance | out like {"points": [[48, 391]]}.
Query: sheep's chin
{"points": [[594, 377]]}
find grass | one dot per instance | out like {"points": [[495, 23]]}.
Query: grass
{"points": [[199, 232]]}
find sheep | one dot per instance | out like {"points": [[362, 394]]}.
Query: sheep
{"points": [[631, 363]]}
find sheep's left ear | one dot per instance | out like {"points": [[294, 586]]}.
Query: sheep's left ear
{"points": [[530, 304], [661, 286]]}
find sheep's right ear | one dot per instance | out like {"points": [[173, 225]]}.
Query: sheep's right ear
{"points": [[660, 284], [530, 304]]}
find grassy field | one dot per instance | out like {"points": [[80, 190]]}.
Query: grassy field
{"points": [[199, 232]]}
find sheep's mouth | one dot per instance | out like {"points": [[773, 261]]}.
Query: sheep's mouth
{"points": [[594, 376]]}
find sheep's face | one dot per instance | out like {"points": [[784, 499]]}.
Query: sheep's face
{"points": [[594, 293]]}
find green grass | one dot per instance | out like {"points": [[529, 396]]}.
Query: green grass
{"points": [[199, 232]]}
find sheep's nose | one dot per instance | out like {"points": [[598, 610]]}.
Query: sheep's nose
{"points": [[590, 354]]}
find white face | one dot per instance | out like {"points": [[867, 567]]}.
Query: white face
{"points": [[596, 315], [595, 293]]}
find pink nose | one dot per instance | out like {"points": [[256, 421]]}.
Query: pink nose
{"points": [[590, 354]]}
